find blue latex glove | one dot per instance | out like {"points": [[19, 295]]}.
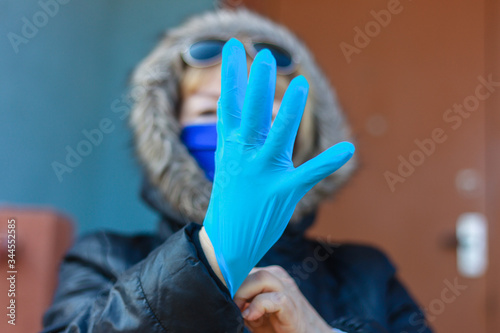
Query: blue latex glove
{"points": [[256, 187]]}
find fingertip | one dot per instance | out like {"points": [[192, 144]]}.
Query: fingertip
{"points": [[232, 44], [341, 153], [301, 82], [297, 92], [299, 85], [346, 146], [233, 48], [265, 57]]}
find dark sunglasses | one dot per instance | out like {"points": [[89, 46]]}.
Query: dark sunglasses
{"points": [[208, 52]]}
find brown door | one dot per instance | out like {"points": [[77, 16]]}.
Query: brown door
{"points": [[407, 74]]}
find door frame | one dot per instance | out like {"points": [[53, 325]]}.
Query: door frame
{"points": [[492, 176]]}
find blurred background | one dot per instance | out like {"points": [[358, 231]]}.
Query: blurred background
{"points": [[419, 86], [69, 76]]}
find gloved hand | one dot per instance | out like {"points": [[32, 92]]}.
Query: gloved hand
{"points": [[256, 187]]}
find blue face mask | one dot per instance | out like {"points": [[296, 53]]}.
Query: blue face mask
{"points": [[201, 142]]}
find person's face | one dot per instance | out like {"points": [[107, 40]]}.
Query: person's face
{"points": [[200, 105]]}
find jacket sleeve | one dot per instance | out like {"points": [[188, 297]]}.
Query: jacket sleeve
{"points": [[373, 280], [404, 315], [171, 289]]}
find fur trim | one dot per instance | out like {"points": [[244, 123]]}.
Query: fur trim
{"points": [[155, 89]]}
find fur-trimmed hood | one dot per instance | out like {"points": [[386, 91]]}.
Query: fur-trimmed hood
{"points": [[173, 176]]}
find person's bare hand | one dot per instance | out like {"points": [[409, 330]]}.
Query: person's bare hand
{"points": [[271, 301]]}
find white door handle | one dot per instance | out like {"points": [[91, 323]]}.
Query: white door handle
{"points": [[472, 248]]}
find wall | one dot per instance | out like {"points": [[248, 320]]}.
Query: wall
{"points": [[63, 79]]}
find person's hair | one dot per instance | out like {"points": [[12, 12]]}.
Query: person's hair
{"points": [[194, 78]]}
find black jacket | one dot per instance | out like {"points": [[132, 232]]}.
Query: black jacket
{"points": [[163, 283]]}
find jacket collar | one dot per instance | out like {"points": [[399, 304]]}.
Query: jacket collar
{"points": [[172, 220]]}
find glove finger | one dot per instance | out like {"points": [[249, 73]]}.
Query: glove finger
{"points": [[233, 85], [329, 161], [258, 105], [282, 135]]}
